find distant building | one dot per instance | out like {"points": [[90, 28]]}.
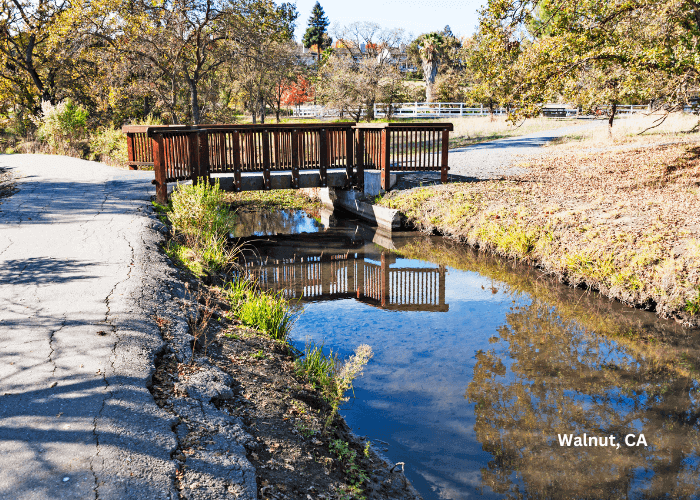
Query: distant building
{"points": [[348, 48]]}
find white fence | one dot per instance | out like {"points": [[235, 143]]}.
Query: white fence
{"points": [[433, 110], [460, 109]]}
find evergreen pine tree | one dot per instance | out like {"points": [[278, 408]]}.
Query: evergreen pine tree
{"points": [[316, 32]]}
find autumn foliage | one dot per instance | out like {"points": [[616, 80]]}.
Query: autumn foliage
{"points": [[297, 92]]}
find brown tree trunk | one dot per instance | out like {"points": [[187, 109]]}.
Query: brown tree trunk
{"points": [[194, 101], [429, 73], [610, 120]]}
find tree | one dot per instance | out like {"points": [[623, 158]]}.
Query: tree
{"points": [[265, 58], [297, 91], [37, 60], [429, 48], [316, 34], [25, 29], [172, 44], [621, 47], [362, 69]]}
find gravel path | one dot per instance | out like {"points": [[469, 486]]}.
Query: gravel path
{"points": [[491, 160], [494, 159], [81, 283]]}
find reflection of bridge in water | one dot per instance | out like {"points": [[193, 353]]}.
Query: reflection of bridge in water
{"points": [[352, 274]]}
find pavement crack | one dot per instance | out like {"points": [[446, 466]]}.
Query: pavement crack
{"points": [[52, 350], [10, 243], [110, 394]]}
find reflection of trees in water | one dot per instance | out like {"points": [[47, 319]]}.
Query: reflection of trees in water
{"points": [[268, 222], [566, 380]]}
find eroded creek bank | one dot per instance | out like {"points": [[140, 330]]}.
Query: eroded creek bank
{"points": [[481, 365]]}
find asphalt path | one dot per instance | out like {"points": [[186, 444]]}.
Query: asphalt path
{"points": [[78, 338]]}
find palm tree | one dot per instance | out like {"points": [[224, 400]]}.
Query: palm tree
{"points": [[429, 48]]}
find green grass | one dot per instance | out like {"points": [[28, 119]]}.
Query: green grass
{"points": [[201, 221], [692, 306], [272, 200], [318, 368], [356, 475], [184, 257], [269, 313]]}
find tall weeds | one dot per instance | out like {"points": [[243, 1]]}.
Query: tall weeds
{"points": [[333, 377], [270, 313], [201, 222]]}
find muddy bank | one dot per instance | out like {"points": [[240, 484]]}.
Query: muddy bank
{"points": [[626, 223]]}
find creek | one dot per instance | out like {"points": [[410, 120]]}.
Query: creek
{"points": [[481, 365]]}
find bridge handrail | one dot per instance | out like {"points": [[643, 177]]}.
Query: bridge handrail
{"points": [[401, 147], [191, 152]]}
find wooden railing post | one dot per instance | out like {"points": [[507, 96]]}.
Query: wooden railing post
{"points": [[384, 159], [384, 278], [323, 156], [360, 159], [349, 158], [159, 168], [445, 154], [295, 158], [236, 152], [193, 159], [202, 162], [266, 158], [130, 151], [441, 285]]}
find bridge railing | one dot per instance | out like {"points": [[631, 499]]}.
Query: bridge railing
{"points": [[184, 152], [401, 147], [265, 148]]}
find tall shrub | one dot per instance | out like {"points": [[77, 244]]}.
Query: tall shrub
{"points": [[62, 126]]}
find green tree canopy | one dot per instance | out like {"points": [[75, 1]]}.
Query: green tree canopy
{"points": [[613, 52], [316, 33]]}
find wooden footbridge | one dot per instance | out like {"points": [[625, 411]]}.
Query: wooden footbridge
{"points": [[287, 156]]}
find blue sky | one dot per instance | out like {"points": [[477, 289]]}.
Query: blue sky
{"points": [[415, 16]]}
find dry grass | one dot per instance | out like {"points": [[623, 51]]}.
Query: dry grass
{"points": [[477, 129], [624, 222], [675, 127]]}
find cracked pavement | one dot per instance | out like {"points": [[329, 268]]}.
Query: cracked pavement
{"points": [[78, 291]]}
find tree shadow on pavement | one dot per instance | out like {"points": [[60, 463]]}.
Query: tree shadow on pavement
{"points": [[40, 271]]}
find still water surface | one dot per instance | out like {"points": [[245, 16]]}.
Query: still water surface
{"points": [[479, 365]]}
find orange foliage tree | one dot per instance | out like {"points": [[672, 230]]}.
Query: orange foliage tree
{"points": [[297, 92]]}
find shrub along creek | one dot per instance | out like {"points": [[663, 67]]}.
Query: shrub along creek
{"points": [[486, 378]]}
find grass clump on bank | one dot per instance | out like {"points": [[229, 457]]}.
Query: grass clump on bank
{"points": [[624, 222], [331, 375], [201, 222], [270, 313]]}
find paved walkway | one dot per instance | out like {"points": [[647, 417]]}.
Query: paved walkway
{"points": [[77, 335]]}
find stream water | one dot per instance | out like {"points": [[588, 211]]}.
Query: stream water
{"points": [[481, 366]]}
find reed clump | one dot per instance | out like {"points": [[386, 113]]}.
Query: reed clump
{"points": [[201, 222], [332, 376]]}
